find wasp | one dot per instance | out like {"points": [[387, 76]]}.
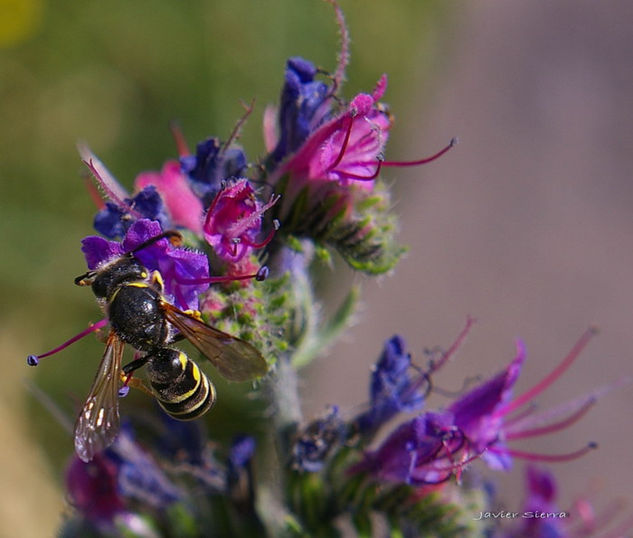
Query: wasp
{"points": [[139, 315]]}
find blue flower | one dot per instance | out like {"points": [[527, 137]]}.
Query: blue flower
{"points": [[211, 165], [139, 476], [304, 104], [113, 221], [392, 387], [182, 440]]}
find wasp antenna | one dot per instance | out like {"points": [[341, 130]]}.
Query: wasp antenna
{"points": [[174, 236], [34, 360], [86, 279]]}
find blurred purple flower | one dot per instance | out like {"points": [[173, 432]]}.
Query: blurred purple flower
{"points": [[93, 489], [392, 388]]}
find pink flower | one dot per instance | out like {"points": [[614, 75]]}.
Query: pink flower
{"points": [[234, 222], [346, 148], [184, 207]]}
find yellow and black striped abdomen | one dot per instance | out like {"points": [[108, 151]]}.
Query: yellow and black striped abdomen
{"points": [[180, 387]]}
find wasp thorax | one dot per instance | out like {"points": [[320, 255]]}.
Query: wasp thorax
{"points": [[110, 278]]}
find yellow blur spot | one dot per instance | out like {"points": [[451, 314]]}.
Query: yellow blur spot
{"points": [[19, 20]]}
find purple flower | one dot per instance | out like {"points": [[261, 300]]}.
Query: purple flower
{"points": [[418, 452], [392, 387], [396, 386], [434, 446], [234, 222], [178, 266], [481, 414], [475, 412], [212, 164], [100, 489]]}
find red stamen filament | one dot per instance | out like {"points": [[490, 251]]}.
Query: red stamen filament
{"points": [[179, 138], [550, 458], [349, 175], [262, 243], [348, 134], [92, 328], [426, 160], [553, 376], [556, 426], [215, 279], [248, 109], [94, 194], [456, 344], [519, 417]]}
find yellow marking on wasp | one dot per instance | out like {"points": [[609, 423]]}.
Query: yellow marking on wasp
{"points": [[116, 291], [194, 314], [199, 404], [196, 376], [157, 278], [143, 274], [137, 284]]}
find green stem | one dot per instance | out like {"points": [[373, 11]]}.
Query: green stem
{"points": [[283, 393]]}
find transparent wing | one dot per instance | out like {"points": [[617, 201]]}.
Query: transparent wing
{"points": [[234, 358], [98, 423]]}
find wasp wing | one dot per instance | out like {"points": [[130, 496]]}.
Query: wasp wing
{"points": [[234, 358], [98, 423]]}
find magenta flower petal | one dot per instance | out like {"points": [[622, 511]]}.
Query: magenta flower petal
{"points": [[183, 206]]}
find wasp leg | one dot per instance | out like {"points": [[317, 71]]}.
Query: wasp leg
{"points": [[135, 365], [157, 281]]}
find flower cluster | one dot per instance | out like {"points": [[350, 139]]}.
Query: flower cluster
{"points": [[180, 256]]}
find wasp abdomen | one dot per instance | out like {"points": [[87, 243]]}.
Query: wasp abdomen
{"points": [[182, 390]]}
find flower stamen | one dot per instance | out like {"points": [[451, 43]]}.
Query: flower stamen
{"points": [[553, 376], [550, 458], [556, 426], [260, 275], [33, 360]]}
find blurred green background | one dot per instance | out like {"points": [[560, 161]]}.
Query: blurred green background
{"points": [[526, 224], [114, 75]]}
